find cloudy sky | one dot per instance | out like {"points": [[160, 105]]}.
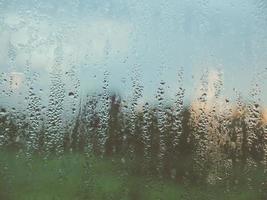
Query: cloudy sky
{"points": [[156, 38]]}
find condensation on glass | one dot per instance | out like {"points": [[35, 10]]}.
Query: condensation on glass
{"points": [[131, 99]]}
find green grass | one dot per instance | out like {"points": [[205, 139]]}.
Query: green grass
{"points": [[101, 179]]}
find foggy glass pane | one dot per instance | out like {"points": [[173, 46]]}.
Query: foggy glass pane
{"points": [[124, 99]]}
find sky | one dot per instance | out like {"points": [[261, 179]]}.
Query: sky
{"points": [[149, 40]]}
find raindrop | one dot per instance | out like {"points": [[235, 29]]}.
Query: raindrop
{"points": [[71, 94]]}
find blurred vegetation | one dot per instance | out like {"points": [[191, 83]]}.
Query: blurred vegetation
{"points": [[156, 152], [74, 177]]}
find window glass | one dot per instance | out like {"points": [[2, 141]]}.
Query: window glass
{"points": [[133, 99]]}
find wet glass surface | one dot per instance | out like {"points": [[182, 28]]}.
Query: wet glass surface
{"points": [[123, 99]]}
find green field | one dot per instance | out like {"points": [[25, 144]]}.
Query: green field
{"points": [[74, 177]]}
